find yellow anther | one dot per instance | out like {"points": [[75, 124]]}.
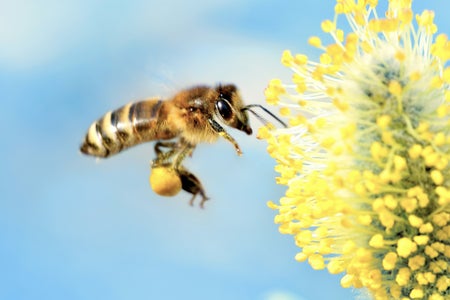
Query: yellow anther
{"points": [[399, 163], [421, 239], [328, 26], [340, 35], [405, 247], [384, 121], [389, 261], [416, 262], [395, 88], [376, 241], [317, 262], [436, 82], [437, 177], [315, 41], [414, 76], [300, 59], [415, 151], [415, 221], [285, 111], [426, 20], [287, 58], [403, 276], [416, 293], [400, 55], [446, 75]]}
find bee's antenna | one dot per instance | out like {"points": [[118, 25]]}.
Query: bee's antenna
{"points": [[263, 120]]}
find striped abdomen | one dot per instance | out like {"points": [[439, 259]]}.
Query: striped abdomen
{"points": [[127, 126]]}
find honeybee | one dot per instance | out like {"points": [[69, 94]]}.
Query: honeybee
{"points": [[178, 124]]}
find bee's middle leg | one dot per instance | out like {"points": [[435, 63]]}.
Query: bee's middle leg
{"points": [[170, 145], [184, 150], [164, 157]]}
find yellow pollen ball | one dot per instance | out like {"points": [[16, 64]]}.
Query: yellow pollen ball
{"points": [[165, 181]]}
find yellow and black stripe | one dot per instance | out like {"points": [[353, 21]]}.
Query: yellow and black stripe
{"points": [[125, 127]]}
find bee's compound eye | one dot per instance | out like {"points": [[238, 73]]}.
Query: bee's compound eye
{"points": [[224, 109], [165, 181]]}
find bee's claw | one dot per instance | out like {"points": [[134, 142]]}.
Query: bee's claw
{"points": [[191, 184], [204, 199], [202, 202]]}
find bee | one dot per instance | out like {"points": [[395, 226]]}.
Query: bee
{"points": [[178, 124]]}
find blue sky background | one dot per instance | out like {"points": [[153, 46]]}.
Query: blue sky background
{"points": [[74, 228]]}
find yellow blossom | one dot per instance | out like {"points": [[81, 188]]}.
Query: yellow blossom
{"points": [[366, 155]]}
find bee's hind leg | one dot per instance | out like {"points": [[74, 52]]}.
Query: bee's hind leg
{"points": [[191, 184]]}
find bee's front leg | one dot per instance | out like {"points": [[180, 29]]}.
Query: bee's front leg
{"points": [[221, 131], [191, 184]]}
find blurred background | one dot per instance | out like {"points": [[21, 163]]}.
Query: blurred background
{"points": [[72, 227]]}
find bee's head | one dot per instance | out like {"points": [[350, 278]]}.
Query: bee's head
{"points": [[230, 108]]}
